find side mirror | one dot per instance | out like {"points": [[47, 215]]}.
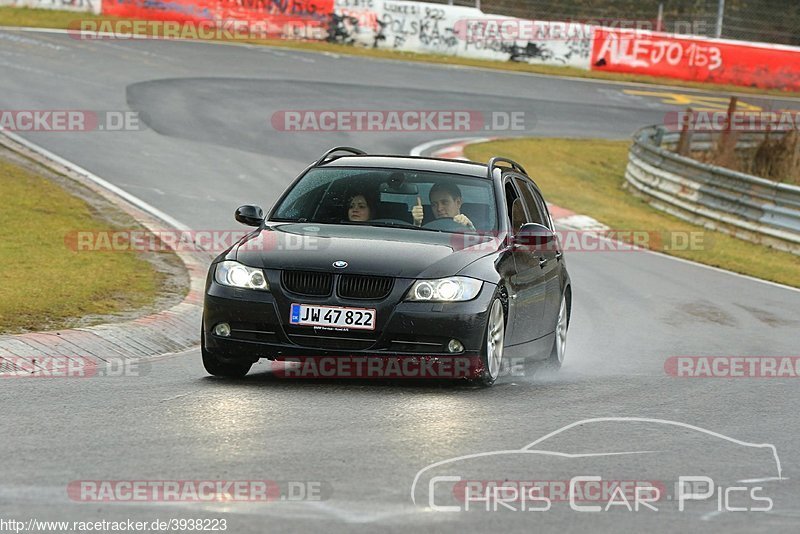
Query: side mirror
{"points": [[536, 238], [250, 215]]}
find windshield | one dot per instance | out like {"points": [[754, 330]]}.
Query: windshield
{"points": [[389, 197]]}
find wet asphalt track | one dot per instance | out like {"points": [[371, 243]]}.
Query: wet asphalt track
{"points": [[209, 147]]}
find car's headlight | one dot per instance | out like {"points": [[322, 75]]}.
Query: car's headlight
{"points": [[456, 288], [234, 274]]}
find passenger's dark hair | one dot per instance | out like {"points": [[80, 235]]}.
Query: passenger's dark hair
{"points": [[370, 196]]}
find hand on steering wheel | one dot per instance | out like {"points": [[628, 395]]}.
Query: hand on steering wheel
{"points": [[463, 220]]}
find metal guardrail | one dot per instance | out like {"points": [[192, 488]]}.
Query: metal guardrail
{"points": [[742, 205]]}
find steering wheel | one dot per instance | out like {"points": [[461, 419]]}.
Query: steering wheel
{"points": [[444, 223]]}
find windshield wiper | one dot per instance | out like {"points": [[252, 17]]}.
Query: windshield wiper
{"points": [[394, 225]]}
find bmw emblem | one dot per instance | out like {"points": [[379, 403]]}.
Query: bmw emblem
{"points": [[340, 264]]}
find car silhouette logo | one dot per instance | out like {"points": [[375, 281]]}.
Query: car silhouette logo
{"points": [[340, 264]]}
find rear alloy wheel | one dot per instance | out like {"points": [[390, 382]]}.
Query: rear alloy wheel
{"points": [[560, 343], [492, 354], [216, 367]]}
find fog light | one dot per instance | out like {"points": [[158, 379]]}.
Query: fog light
{"points": [[222, 329], [455, 346]]}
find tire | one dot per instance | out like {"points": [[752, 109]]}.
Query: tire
{"points": [[216, 367], [492, 351], [556, 358]]}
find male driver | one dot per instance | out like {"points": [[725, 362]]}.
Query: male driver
{"points": [[446, 202]]}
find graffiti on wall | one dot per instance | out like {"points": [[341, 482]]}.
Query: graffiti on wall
{"points": [[415, 25], [457, 30], [696, 59], [282, 18], [528, 40]]}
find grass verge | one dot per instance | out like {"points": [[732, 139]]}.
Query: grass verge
{"points": [[586, 176], [47, 18], [48, 285]]}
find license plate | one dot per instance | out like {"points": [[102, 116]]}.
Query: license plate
{"points": [[333, 316]]}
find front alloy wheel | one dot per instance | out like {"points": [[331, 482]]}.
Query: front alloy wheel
{"points": [[560, 343], [492, 356]]}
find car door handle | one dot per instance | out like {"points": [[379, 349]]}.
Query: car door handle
{"points": [[559, 254], [542, 261]]}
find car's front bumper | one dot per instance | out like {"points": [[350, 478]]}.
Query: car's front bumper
{"points": [[259, 329]]}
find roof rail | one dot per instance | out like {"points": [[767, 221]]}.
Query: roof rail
{"points": [[495, 160], [350, 149]]}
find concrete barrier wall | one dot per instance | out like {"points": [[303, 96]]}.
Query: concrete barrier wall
{"points": [[464, 31]]}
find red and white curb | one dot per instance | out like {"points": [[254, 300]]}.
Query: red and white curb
{"points": [[168, 331], [454, 149]]}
